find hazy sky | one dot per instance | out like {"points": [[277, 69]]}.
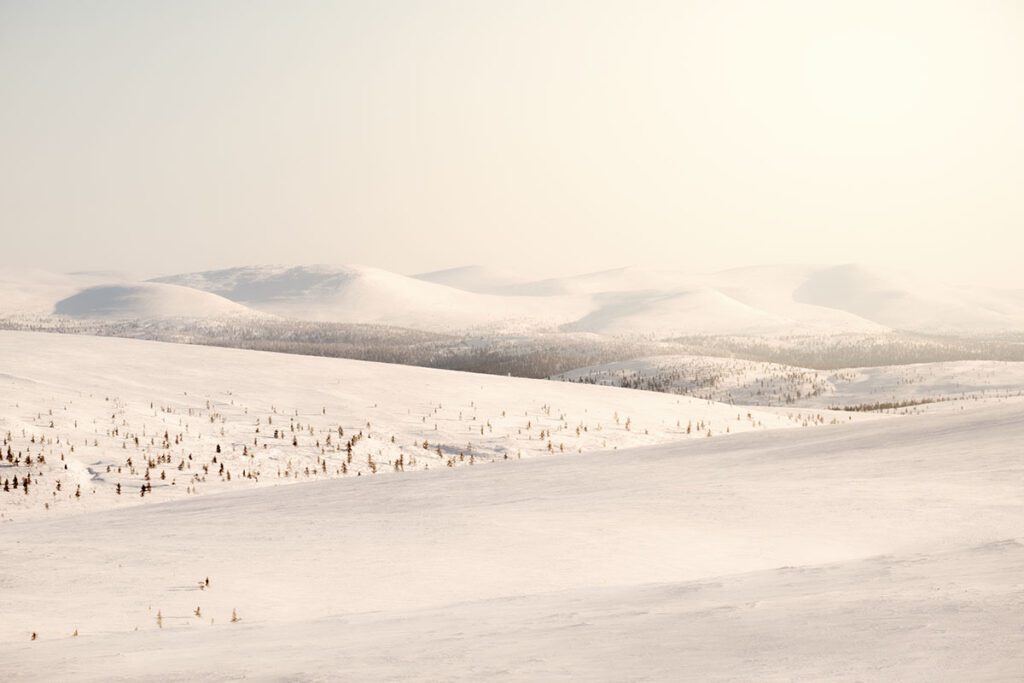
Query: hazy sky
{"points": [[568, 136]]}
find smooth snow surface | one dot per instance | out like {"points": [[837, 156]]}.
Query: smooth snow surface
{"points": [[875, 551], [34, 292], [147, 300], [480, 279]]}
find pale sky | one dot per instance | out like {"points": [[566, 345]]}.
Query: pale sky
{"points": [[565, 136]]}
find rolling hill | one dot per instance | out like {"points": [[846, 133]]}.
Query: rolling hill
{"points": [[147, 300], [625, 302], [871, 549], [359, 294]]}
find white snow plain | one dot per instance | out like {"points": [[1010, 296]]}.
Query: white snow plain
{"points": [[872, 549]]}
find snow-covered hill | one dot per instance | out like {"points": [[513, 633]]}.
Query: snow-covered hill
{"points": [[916, 387], [909, 304], [93, 420], [628, 279], [626, 302], [773, 289], [664, 314], [621, 302], [885, 550], [764, 300], [359, 294], [148, 300], [479, 279], [36, 292]]}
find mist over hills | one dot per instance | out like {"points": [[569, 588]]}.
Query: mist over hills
{"points": [[147, 300], [361, 294], [762, 300], [478, 279], [624, 302]]}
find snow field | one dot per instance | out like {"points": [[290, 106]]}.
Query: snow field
{"points": [[87, 417], [880, 550]]}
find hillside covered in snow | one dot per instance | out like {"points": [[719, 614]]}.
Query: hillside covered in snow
{"points": [[911, 387], [90, 423], [792, 544]]}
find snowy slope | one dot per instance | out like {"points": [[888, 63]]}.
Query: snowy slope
{"points": [[147, 300], [728, 380], [34, 292], [628, 279], [798, 299], [479, 279], [773, 289], [630, 302], [933, 386], [620, 302], [359, 294], [684, 312], [917, 387], [106, 412], [876, 551], [903, 303]]}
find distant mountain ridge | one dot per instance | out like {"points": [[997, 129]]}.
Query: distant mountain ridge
{"points": [[760, 300], [362, 294]]}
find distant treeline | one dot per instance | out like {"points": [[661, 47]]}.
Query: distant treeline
{"points": [[535, 356]]}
